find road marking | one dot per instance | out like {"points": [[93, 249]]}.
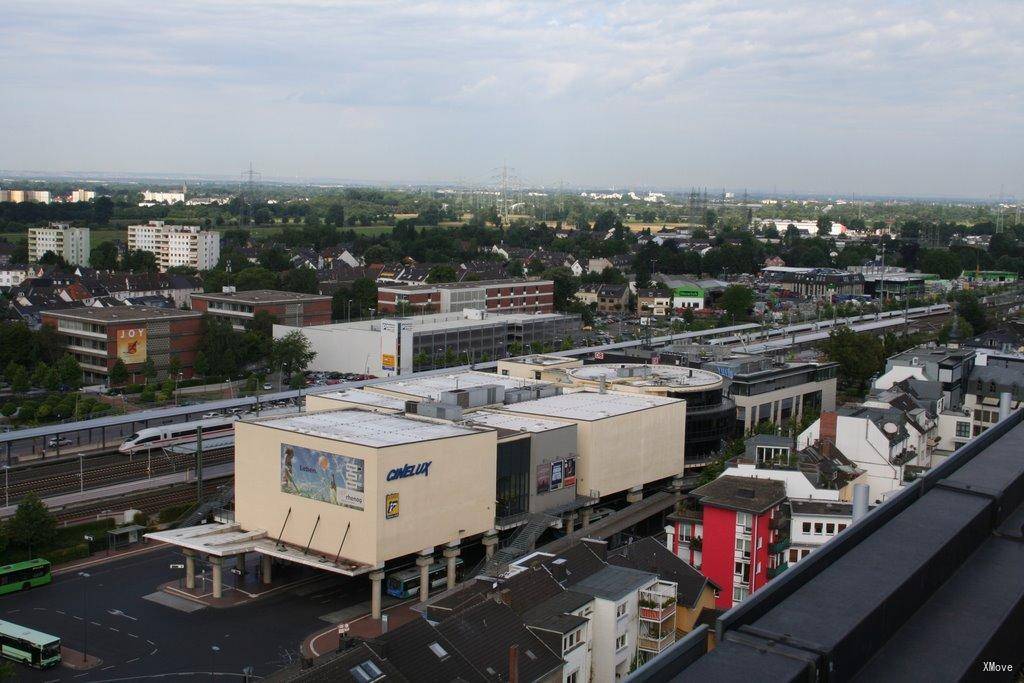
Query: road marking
{"points": [[60, 611], [78, 617], [150, 642], [113, 629], [96, 623], [132, 660], [108, 667], [13, 611], [155, 650], [80, 675], [39, 609], [132, 635]]}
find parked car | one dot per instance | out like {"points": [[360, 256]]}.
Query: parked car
{"points": [[267, 386], [53, 441]]}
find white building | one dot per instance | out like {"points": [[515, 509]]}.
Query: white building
{"points": [[81, 196], [176, 245], [72, 244], [814, 523], [19, 196], [163, 197]]}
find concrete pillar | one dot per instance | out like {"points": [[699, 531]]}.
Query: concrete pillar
{"points": [[265, 566], [585, 514], [451, 554], [190, 569], [490, 541], [376, 577], [424, 562], [218, 576], [569, 522], [635, 495], [240, 564]]}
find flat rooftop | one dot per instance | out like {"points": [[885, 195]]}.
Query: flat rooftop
{"points": [[512, 422], [465, 285], [641, 375], [366, 398], [589, 406], [432, 387], [261, 296], [123, 314], [440, 322], [364, 428], [541, 360]]}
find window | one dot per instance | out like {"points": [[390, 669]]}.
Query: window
{"points": [[760, 542], [807, 527], [572, 640], [841, 527], [743, 546], [436, 648], [685, 532], [739, 594], [963, 429], [794, 555], [830, 529], [741, 571], [818, 528], [574, 677], [743, 521], [620, 610], [366, 672], [620, 642]]}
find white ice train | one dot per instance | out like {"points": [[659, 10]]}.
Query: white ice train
{"points": [[173, 434]]}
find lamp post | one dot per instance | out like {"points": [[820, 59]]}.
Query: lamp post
{"points": [[85, 614], [213, 653]]}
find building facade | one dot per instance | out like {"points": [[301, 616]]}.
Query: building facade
{"points": [[98, 337], [176, 245], [295, 309], [71, 244], [781, 393], [495, 296]]}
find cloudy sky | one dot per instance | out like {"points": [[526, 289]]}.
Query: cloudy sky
{"points": [[922, 98]]}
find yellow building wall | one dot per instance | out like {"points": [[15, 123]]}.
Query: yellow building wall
{"points": [[457, 494], [686, 617], [315, 403]]}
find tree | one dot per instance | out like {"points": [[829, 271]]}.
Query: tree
{"points": [[39, 374], [102, 210], [297, 381], [859, 356], [69, 372], [19, 380], [737, 300], [442, 274], [118, 373], [274, 259], [149, 370], [970, 309], [140, 261], [301, 280], [174, 365], [941, 262], [336, 215], [255, 278], [32, 526], [824, 225], [262, 323], [292, 352], [104, 256]]}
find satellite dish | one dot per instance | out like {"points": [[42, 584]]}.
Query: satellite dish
{"points": [[890, 428]]}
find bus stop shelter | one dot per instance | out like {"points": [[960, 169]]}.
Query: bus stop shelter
{"points": [[124, 536]]}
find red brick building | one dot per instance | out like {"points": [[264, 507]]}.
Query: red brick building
{"points": [[495, 296], [97, 337], [745, 526], [290, 308]]}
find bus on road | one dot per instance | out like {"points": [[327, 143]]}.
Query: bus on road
{"points": [[37, 649], [22, 575], [406, 583]]}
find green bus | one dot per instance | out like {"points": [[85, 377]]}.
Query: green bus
{"points": [[22, 575], [38, 650]]}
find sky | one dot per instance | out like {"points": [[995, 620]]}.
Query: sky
{"points": [[888, 98]]}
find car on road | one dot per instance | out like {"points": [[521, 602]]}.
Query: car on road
{"points": [[53, 441], [209, 416], [268, 386]]}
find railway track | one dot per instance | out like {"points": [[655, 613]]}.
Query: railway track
{"points": [[149, 502], [59, 478]]}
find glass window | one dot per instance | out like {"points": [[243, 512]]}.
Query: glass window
{"points": [[830, 529], [620, 642], [620, 610], [818, 528], [963, 429], [807, 527]]}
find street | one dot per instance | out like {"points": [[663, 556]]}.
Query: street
{"points": [[137, 638]]}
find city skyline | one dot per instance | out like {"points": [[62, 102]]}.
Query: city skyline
{"points": [[915, 100]]}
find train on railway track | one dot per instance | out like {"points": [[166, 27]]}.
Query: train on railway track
{"points": [[175, 434]]}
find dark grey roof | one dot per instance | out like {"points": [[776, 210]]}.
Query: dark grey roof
{"points": [[824, 508], [614, 582], [411, 649], [483, 634], [648, 554], [747, 494], [339, 667], [554, 613]]}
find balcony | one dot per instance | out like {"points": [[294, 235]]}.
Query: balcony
{"points": [[658, 606], [780, 546], [775, 571], [655, 644], [780, 523]]}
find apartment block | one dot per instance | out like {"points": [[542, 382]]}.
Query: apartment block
{"points": [[20, 196], [294, 309], [71, 244], [495, 296], [99, 337], [176, 245]]}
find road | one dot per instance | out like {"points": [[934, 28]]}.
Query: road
{"points": [[137, 638]]}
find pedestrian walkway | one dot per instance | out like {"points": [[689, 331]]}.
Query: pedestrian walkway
{"points": [[361, 626], [246, 587], [75, 660]]}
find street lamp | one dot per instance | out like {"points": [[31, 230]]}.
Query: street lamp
{"points": [[85, 613], [213, 653]]}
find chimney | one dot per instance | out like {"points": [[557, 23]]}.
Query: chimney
{"points": [[827, 427], [860, 501], [513, 663]]}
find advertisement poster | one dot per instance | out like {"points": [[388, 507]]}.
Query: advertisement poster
{"points": [[391, 508], [556, 475], [387, 361], [131, 345], [326, 477], [569, 476], [543, 478]]}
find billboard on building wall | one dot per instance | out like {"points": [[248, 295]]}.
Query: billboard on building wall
{"points": [[131, 345], [570, 472], [322, 476], [544, 477]]}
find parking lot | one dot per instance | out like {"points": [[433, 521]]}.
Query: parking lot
{"points": [[138, 637]]}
